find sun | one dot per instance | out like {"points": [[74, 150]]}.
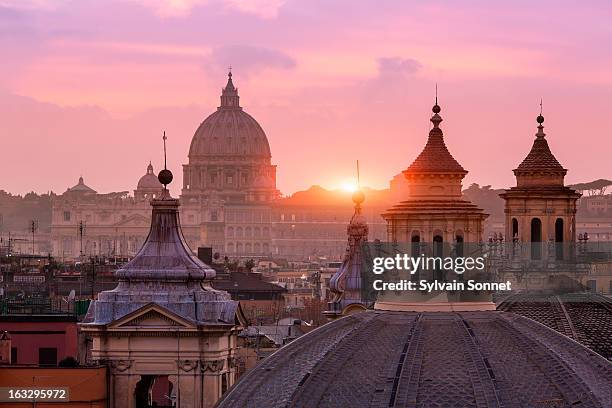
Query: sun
{"points": [[349, 186]]}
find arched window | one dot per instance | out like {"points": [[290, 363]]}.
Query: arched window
{"points": [[459, 243], [536, 238], [559, 239], [415, 240], [515, 228], [438, 252]]}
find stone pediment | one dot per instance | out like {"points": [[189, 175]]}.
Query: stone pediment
{"points": [[151, 316], [136, 220]]}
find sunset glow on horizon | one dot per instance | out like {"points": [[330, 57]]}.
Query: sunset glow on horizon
{"points": [[87, 88]]}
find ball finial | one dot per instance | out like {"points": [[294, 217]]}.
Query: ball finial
{"points": [[540, 119], [436, 108], [358, 197], [165, 177]]}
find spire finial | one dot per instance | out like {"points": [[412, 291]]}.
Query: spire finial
{"points": [[229, 72], [540, 106], [164, 139], [436, 93], [358, 196], [436, 119], [540, 120], [165, 176]]}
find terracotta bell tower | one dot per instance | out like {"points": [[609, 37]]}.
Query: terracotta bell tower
{"points": [[434, 209], [541, 208]]}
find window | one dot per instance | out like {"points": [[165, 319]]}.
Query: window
{"points": [[13, 355], [214, 216], [536, 239], [47, 357], [66, 215], [230, 179]]}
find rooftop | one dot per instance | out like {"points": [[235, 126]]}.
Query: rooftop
{"points": [[401, 359]]}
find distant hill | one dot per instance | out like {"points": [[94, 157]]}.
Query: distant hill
{"points": [[319, 196]]}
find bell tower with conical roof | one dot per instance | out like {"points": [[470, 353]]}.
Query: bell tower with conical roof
{"points": [[540, 208], [433, 209], [434, 220]]}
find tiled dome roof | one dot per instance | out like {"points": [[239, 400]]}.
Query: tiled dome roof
{"points": [[540, 158], [435, 157], [436, 359], [583, 317]]}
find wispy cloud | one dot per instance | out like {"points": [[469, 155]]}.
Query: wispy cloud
{"points": [[248, 59], [182, 8]]}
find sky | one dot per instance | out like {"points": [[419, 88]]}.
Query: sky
{"points": [[87, 87]]}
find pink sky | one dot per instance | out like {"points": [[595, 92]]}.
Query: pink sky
{"points": [[87, 87]]}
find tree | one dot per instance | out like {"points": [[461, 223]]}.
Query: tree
{"points": [[249, 265], [68, 362]]}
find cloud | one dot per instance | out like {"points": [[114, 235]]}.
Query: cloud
{"points": [[247, 59], [33, 4], [182, 8], [398, 66], [261, 8]]}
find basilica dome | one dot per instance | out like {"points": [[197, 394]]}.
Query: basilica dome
{"points": [[229, 131], [433, 359], [149, 180]]}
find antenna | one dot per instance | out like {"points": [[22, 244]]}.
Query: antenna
{"points": [[164, 138], [358, 182]]}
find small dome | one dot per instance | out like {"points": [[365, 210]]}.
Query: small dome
{"points": [[81, 187], [149, 180]]}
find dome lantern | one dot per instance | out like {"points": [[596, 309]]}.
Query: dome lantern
{"points": [[229, 94]]}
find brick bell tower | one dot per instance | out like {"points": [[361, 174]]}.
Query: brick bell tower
{"points": [[540, 208]]}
